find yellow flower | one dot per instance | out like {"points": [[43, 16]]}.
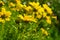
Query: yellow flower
{"points": [[8, 14], [4, 15], [27, 18], [47, 17], [55, 17], [7, 19], [27, 8], [14, 9], [35, 5], [19, 6], [39, 16], [44, 14], [11, 4], [18, 1], [20, 16], [47, 9], [44, 31], [3, 10], [41, 10], [48, 21]]}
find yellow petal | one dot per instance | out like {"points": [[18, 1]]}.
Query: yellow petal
{"points": [[7, 19]]}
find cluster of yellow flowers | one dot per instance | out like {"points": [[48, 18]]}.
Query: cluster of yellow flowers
{"points": [[4, 15], [33, 11]]}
